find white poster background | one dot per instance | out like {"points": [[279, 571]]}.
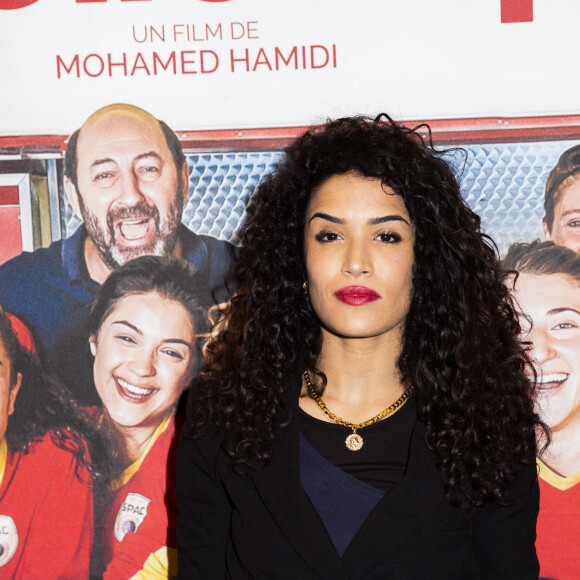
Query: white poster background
{"points": [[417, 59]]}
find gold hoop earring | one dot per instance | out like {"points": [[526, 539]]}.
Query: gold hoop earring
{"points": [[305, 287]]}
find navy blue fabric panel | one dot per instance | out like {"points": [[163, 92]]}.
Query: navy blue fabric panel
{"points": [[342, 501]]}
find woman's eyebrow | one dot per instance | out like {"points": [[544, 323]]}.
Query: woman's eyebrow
{"points": [[131, 326], [563, 309], [371, 222], [387, 218], [177, 341], [327, 217]]}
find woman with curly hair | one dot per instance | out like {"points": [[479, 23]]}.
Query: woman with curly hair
{"points": [[547, 289], [364, 411], [46, 476]]}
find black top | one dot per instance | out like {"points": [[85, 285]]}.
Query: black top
{"points": [[383, 458], [264, 525]]}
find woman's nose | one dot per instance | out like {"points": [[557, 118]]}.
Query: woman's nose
{"points": [[357, 259], [542, 343], [143, 363]]}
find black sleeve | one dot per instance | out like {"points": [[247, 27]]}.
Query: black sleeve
{"points": [[222, 258], [204, 511], [505, 533]]}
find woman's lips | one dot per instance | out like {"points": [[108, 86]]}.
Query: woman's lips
{"points": [[356, 295], [133, 393], [547, 384]]}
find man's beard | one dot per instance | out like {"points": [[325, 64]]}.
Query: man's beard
{"points": [[115, 256]]}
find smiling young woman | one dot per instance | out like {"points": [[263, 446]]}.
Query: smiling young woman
{"points": [[547, 290], [143, 326], [364, 411]]}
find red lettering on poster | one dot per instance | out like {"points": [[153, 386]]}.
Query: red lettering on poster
{"points": [[239, 30], [89, 1], [14, 4], [517, 11]]}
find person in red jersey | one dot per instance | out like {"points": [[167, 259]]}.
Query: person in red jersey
{"points": [[548, 291], [143, 326], [46, 477]]}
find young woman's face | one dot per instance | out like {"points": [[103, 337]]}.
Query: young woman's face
{"points": [[358, 241], [8, 391], [553, 303], [144, 358], [566, 225]]}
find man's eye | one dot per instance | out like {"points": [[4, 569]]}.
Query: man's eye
{"points": [[101, 176]]}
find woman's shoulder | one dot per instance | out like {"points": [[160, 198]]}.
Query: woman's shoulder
{"points": [[55, 462]]}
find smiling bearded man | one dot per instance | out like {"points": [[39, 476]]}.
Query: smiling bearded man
{"points": [[127, 178]]}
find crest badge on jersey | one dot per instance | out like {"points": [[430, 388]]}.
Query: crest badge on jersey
{"points": [[8, 539], [130, 515]]}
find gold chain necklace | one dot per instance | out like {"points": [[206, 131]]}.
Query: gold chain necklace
{"points": [[354, 441]]}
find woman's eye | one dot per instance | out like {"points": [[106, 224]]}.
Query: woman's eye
{"points": [[125, 338], [574, 223], [389, 238], [564, 326], [326, 237], [173, 353]]}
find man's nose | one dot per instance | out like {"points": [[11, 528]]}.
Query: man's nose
{"points": [[131, 193]]}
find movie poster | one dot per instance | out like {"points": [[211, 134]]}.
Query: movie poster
{"points": [[237, 80]]}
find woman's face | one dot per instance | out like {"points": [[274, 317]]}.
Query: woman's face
{"points": [[144, 358], [566, 225], [358, 241], [8, 391], [553, 303]]}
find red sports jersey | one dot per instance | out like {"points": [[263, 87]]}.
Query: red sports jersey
{"points": [[46, 514], [138, 532], [558, 542]]}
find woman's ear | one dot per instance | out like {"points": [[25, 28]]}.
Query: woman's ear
{"points": [[13, 392], [93, 344]]}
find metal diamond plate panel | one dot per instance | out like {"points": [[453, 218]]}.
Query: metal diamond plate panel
{"points": [[221, 187], [503, 183]]}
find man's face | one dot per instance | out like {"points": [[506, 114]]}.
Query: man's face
{"points": [[128, 187]]}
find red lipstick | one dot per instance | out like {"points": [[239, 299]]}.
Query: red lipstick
{"points": [[356, 295]]}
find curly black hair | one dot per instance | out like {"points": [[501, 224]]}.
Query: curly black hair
{"points": [[43, 406], [461, 348]]}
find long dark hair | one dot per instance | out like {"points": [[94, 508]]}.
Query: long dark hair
{"points": [[43, 406], [460, 347], [171, 278]]}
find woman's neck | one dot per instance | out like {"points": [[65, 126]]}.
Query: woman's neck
{"points": [[129, 443], [362, 376], [563, 454]]}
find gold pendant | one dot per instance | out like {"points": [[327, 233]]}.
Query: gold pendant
{"points": [[354, 442]]}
